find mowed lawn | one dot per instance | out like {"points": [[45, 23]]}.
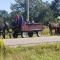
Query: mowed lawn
{"points": [[47, 51]]}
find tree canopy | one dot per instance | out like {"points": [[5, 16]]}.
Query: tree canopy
{"points": [[40, 11], [55, 6], [37, 9]]}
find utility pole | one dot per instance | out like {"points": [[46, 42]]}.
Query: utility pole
{"points": [[27, 10]]}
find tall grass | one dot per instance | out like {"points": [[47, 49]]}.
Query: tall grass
{"points": [[38, 52], [46, 31]]}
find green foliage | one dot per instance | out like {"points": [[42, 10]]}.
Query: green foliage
{"points": [[19, 7], [4, 15], [37, 9], [55, 6], [46, 31]]}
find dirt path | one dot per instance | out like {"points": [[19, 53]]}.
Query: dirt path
{"points": [[36, 40]]}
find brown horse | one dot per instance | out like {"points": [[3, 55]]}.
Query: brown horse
{"points": [[54, 26]]}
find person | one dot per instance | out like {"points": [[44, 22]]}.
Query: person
{"points": [[19, 19], [31, 20], [19, 22]]}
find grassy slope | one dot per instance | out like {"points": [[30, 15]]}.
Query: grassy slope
{"points": [[39, 52]]}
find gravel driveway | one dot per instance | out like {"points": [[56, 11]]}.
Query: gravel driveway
{"points": [[27, 41]]}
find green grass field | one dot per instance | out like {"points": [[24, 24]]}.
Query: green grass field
{"points": [[47, 51]]}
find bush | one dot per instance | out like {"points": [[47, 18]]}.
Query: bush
{"points": [[46, 31]]}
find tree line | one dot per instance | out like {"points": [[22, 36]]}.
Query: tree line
{"points": [[40, 11]]}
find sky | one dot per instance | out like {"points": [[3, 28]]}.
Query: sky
{"points": [[47, 0], [5, 4]]}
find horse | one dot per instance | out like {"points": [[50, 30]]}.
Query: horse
{"points": [[54, 26], [5, 26]]}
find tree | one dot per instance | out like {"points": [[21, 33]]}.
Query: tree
{"points": [[41, 11], [37, 9], [20, 7], [3, 15], [55, 6]]}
